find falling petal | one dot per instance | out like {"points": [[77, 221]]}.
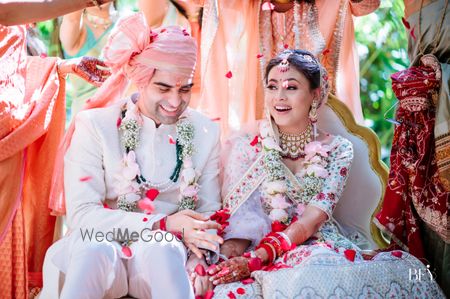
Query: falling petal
{"points": [[259, 56], [215, 119], [412, 33], [105, 205], [397, 253], [254, 141], [152, 194], [171, 140], [326, 51], [146, 205], [406, 23], [119, 121], [145, 219], [85, 178], [126, 251], [229, 74], [286, 46]]}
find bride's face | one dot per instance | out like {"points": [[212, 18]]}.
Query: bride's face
{"points": [[288, 97]]}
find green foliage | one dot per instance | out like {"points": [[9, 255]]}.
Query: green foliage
{"points": [[382, 43]]}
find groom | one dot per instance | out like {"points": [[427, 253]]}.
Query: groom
{"points": [[136, 171]]}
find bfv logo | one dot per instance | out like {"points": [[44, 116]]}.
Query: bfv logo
{"points": [[418, 274]]}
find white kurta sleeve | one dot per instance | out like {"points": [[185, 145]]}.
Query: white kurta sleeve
{"points": [[85, 189], [209, 194]]}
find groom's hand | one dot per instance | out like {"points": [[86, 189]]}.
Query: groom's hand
{"points": [[193, 226]]}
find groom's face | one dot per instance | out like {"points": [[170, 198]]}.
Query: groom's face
{"points": [[166, 97]]}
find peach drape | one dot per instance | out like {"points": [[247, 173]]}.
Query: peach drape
{"points": [[233, 34], [32, 118]]}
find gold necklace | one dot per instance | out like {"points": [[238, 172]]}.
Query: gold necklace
{"points": [[293, 145]]}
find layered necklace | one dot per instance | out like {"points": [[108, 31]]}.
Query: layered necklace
{"points": [[293, 145]]}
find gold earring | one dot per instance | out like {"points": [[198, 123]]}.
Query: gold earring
{"points": [[313, 111]]}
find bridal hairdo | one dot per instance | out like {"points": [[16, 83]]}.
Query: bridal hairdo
{"points": [[305, 63]]}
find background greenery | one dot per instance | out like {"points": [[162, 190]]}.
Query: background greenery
{"points": [[382, 42]]}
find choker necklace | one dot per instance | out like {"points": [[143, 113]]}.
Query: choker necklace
{"points": [[293, 145]]}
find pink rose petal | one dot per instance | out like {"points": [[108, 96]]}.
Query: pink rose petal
{"points": [[85, 178], [229, 74], [146, 205], [259, 55], [231, 295], [145, 219], [397, 253], [240, 291], [171, 140], [200, 270], [126, 251], [350, 254], [209, 294], [248, 281], [152, 194]]}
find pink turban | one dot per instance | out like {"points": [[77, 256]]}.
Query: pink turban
{"points": [[133, 52]]}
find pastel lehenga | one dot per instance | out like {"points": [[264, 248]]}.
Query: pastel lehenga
{"points": [[329, 264]]}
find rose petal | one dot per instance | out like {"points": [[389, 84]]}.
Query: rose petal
{"points": [[254, 141], [397, 253], [350, 254], [152, 194], [231, 295], [229, 74], [43, 55], [209, 294], [146, 205], [105, 205], [126, 251], [240, 291], [259, 55], [145, 219], [286, 46], [199, 297], [200, 270], [326, 51], [406, 23], [215, 119], [248, 281], [171, 140], [85, 178], [412, 33]]}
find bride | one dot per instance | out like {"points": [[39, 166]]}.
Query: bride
{"points": [[281, 185]]}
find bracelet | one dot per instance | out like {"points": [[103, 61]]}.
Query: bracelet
{"points": [[269, 250], [163, 223]]}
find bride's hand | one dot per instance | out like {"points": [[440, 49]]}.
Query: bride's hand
{"points": [[234, 269], [86, 68]]}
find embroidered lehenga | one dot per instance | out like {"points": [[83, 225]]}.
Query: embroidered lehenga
{"points": [[315, 268]]}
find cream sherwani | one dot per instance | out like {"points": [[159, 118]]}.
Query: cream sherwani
{"points": [[99, 269]]}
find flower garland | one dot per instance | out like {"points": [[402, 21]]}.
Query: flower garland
{"points": [[313, 174], [134, 190]]}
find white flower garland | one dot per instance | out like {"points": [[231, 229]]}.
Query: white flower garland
{"points": [[137, 192], [313, 173]]}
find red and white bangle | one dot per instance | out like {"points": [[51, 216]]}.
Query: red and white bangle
{"points": [[163, 223]]}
